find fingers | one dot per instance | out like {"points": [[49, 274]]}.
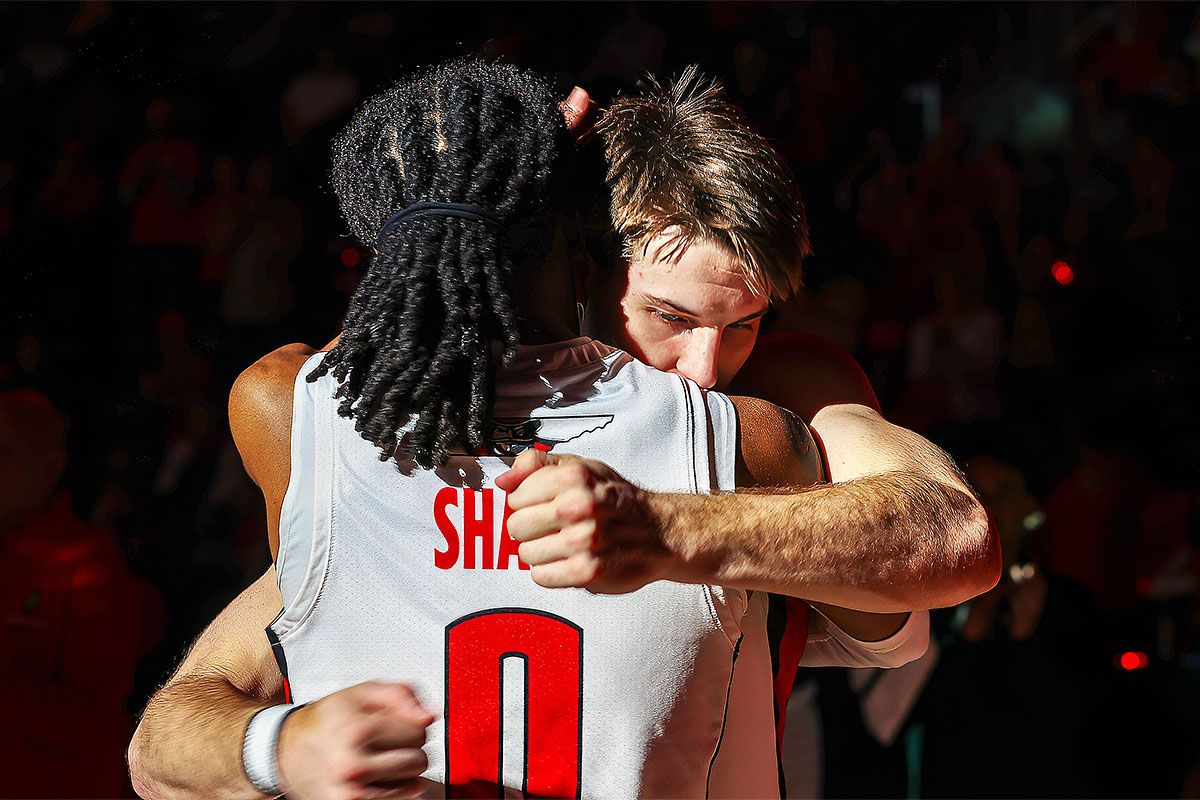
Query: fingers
{"points": [[393, 766], [548, 482], [388, 730], [578, 109], [533, 523], [577, 570], [396, 698], [362, 741], [545, 518], [527, 463], [386, 741], [405, 790], [572, 540]]}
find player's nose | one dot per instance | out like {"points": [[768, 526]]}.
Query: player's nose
{"points": [[701, 357]]}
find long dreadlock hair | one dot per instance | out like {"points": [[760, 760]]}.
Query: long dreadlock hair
{"points": [[417, 338]]}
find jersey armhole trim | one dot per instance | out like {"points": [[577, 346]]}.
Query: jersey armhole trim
{"points": [[324, 445], [723, 440], [708, 440], [299, 390], [694, 443]]}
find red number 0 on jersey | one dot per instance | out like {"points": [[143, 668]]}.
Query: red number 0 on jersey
{"points": [[552, 649]]}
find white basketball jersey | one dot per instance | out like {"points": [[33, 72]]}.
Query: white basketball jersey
{"points": [[391, 572]]}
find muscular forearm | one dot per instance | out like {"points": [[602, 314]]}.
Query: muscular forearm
{"points": [[189, 742], [892, 542]]}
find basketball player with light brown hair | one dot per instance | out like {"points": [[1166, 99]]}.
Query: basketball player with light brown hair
{"points": [[896, 531]]}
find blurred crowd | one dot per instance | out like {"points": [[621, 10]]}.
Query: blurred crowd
{"points": [[1003, 202]]}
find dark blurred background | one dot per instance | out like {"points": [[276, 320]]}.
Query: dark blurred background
{"points": [[1004, 209]]}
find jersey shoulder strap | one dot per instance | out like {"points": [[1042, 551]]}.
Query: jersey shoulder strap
{"points": [[305, 516]]}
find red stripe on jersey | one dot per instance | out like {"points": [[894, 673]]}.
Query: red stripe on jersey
{"points": [[791, 650], [280, 659]]}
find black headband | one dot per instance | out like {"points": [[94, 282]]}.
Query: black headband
{"points": [[434, 208]]}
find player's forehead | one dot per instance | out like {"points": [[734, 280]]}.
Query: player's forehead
{"points": [[703, 279]]}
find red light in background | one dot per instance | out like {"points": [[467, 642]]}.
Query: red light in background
{"points": [[1132, 660], [350, 257], [1062, 272]]}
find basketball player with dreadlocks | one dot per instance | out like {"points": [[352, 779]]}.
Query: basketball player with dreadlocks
{"points": [[405, 368]]}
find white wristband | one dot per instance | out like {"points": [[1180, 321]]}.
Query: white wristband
{"points": [[260, 748]]}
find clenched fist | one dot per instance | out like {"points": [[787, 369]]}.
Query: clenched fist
{"points": [[361, 742], [581, 524]]}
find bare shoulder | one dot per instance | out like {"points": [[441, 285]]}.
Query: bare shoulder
{"points": [[804, 373], [260, 411], [776, 448], [266, 385]]}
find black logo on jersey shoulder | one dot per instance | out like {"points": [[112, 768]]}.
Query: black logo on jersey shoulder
{"points": [[513, 435]]}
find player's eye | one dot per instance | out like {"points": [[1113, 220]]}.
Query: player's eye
{"points": [[669, 318], [743, 326]]}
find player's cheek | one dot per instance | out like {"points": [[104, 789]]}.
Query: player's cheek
{"points": [[735, 350], [651, 342]]}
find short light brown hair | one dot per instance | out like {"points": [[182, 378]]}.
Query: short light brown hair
{"points": [[683, 160]]}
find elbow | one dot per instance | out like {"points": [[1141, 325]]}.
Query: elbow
{"points": [[144, 759], [146, 784], [135, 757], [963, 558], [975, 553], [988, 560]]}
